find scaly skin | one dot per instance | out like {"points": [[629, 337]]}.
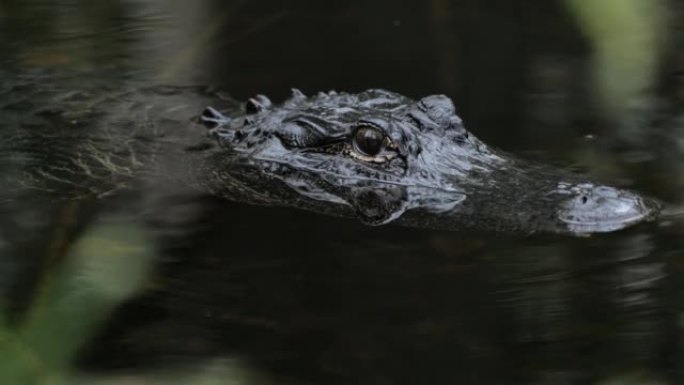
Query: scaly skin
{"points": [[425, 170], [430, 172]]}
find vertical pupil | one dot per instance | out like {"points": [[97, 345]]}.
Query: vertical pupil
{"points": [[368, 140]]}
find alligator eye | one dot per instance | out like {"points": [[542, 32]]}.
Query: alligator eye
{"points": [[368, 140]]}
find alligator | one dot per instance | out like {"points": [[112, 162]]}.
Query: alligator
{"points": [[376, 156]]}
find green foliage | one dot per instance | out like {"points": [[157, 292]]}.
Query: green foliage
{"points": [[627, 37]]}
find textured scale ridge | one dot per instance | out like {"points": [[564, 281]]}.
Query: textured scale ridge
{"points": [[376, 156]]}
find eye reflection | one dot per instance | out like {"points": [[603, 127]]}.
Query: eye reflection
{"points": [[368, 140]]}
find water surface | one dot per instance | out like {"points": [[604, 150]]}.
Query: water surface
{"points": [[195, 289]]}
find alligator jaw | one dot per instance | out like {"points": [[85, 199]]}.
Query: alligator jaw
{"points": [[521, 197]]}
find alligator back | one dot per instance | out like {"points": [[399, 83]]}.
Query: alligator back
{"points": [[66, 139]]}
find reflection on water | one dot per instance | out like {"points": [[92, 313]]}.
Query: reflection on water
{"points": [[188, 289]]}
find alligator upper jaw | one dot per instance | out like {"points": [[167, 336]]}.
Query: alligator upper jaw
{"points": [[600, 209], [518, 197]]}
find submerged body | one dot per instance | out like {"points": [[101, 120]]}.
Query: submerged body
{"points": [[376, 156]]}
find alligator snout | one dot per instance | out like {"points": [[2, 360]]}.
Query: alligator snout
{"points": [[601, 208]]}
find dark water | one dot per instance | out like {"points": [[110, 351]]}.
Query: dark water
{"points": [[210, 292]]}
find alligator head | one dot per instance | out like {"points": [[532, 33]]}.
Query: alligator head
{"points": [[382, 157]]}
